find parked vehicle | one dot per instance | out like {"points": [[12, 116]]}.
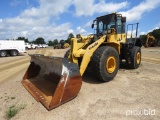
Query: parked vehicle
{"points": [[40, 46], [44, 45], [27, 46], [12, 48], [34, 46], [61, 45]]}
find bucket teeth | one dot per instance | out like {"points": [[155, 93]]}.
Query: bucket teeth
{"points": [[52, 80]]}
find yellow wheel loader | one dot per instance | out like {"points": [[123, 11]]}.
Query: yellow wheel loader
{"points": [[61, 45], [54, 81], [66, 45]]}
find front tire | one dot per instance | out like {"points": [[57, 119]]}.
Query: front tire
{"points": [[3, 53], [105, 63]]}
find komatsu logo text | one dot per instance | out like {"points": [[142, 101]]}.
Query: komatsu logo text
{"points": [[93, 45]]}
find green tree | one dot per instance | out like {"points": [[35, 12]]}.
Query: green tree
{"points": [[50, 43], [70, 36], [33, 41], [156, 33], [40, 40], [23, 38], [61, 41], [143, 38], [55, 42]]}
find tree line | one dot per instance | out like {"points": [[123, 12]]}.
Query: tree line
{"points": [[55, 41], [41, 40]]}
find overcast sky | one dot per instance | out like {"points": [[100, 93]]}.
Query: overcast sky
{"points": [[55, 19]]}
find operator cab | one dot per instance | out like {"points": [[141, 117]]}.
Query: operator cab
{"points": [[104, 23], [115, 24]]}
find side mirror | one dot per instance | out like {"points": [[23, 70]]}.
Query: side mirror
{"points": [[123, 19], [92, 26]]}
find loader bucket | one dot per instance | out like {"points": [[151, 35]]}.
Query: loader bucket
{"points": [[52, 80]]}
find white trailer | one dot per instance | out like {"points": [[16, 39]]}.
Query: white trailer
{"points": [[13, 48]]}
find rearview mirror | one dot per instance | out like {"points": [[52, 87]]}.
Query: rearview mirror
{"points": [[123, 19], [92, 26]]}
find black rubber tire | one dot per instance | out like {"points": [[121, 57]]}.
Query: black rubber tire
{"points": [[98, 62], [67, 53], [3, 53], [133, 58], [14, 53]]}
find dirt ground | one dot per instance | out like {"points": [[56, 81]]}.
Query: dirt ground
{"points": [[125, 98]]}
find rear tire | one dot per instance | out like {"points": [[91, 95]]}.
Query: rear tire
{"points": [[14, 53], [3, 53], [55, 47], [135, 58], [105, 63], [67, 53]]}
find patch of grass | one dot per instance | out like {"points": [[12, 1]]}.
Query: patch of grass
{"points": [[13, 110], [137, 72], [13, 97]]}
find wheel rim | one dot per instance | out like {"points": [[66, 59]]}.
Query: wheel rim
{"points": [[138, 57], [111, 64], [14, 53], [3, 54]]}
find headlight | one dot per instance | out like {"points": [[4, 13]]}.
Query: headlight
{"points": [[109, 31], [79, 39]]}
